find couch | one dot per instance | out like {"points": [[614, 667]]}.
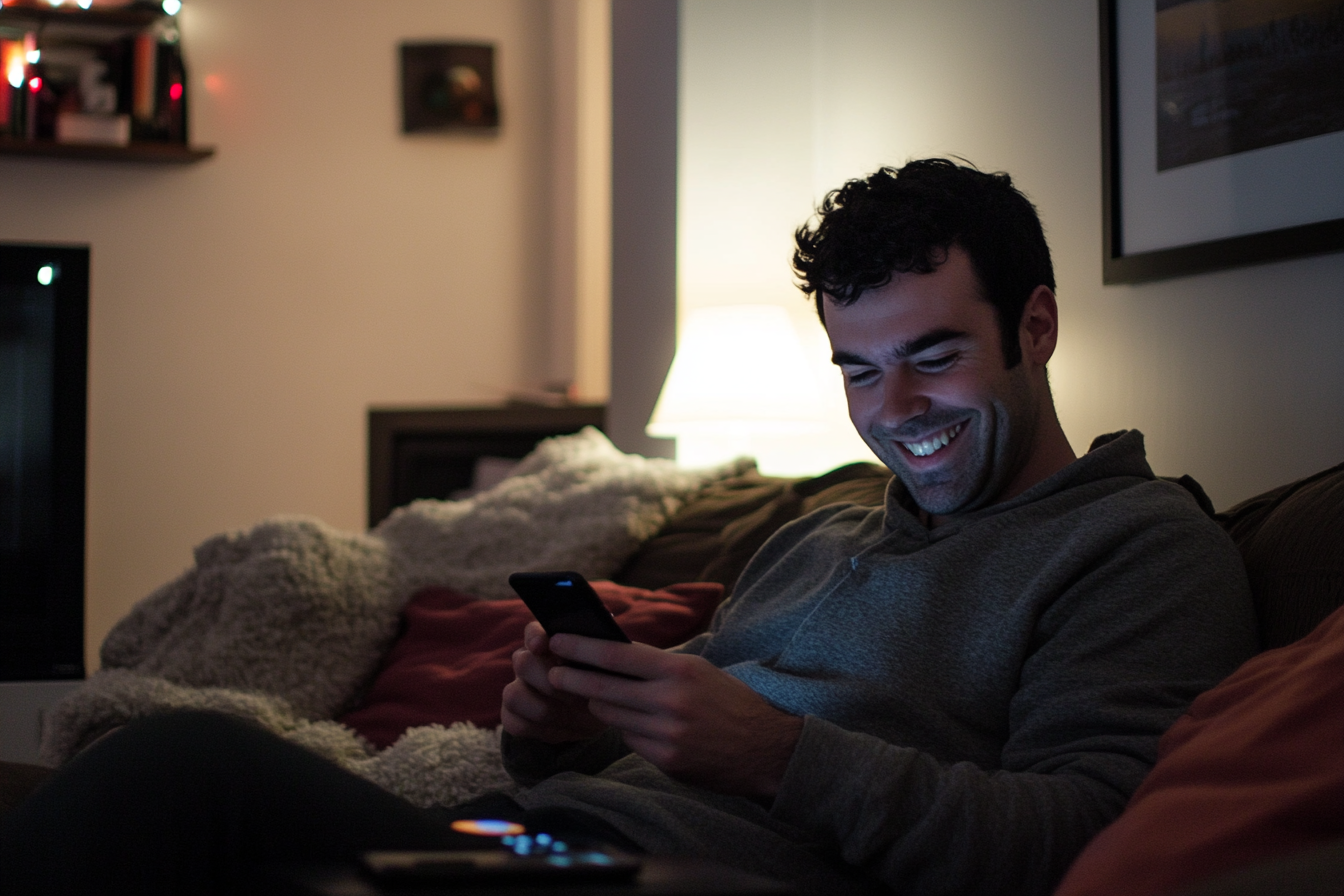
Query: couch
{"points": [[1291, 538]]}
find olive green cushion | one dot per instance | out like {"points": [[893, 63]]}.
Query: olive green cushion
{"points": [[1292, 540], [714, 535]]}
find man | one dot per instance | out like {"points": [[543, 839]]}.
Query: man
{"points": [[951, 693], [954, 693]]}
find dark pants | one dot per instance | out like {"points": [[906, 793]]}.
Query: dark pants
{"points": [[195, 802]]}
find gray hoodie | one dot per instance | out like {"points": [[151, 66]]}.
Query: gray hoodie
{"points": [[979, 699]]}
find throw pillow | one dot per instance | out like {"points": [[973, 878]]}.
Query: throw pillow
{"points": [[1253, 770], [455, 654], [1292, 539]]}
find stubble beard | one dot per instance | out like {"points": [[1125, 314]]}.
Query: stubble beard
{"points": [[941, 491], [998, 442]]}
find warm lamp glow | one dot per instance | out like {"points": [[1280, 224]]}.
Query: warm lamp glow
{"points": [[740, 370]]}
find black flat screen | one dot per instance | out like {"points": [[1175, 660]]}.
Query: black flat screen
{"points": [[44, 304]]}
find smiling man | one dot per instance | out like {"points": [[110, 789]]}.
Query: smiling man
{"points": [[951, 693], [930, 391], [943, 338]]}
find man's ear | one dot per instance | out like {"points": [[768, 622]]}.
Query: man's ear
{"points": [[1039, 331]]}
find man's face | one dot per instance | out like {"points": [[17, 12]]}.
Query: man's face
{"points": [[927, 389]]}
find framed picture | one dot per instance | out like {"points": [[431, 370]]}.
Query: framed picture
{"points": [[1222, 134], [448, 87]]}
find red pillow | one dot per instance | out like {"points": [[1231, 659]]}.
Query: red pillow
{"points": [[1255, 769], [456, 653]]}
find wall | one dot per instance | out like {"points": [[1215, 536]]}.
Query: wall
{"points": [[644, 36], [1235, 378], [248, 309]]}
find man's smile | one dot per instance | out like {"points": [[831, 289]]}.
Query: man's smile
{"points": [[933, 443]]}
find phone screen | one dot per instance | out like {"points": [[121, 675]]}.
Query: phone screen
{"points": [[564, 603]]}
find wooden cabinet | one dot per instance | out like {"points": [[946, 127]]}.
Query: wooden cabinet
{"points": [[434, 452]]}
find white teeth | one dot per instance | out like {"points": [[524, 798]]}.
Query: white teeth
{"points": [[930, 445]]}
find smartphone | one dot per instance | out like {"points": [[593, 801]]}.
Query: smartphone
{"points": [[564, 603]]}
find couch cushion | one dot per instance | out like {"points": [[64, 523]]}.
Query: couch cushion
{"points": [[1292, 540], [455, 654], [1253, 770], [716, 533]]}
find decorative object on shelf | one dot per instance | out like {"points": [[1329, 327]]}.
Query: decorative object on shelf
{"points": [[93, 81], [447, 87], [1222, 135]]}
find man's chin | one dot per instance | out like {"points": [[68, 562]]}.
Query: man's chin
{"points": [[937, 498], [942, 495]]}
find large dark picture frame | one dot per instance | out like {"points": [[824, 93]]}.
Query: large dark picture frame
{"points": [[1178, 257]]}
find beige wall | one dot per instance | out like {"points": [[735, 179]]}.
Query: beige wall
{"points": [[1236, 378], [248, 309]]}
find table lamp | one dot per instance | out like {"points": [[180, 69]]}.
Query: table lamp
{"points": [[739, 380]]}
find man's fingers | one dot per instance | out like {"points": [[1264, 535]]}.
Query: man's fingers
{"points": [[637, 660], [529, 667], [535, 639], [562, 717], [600, 686], [524, 702]]}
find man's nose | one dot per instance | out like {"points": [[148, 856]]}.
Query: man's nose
{"points": [[902, 399]]}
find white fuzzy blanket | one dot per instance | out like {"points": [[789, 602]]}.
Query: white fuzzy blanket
{"points": [[285, 623]]}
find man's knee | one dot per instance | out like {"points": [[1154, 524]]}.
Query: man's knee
{"points": [[181, 743]]}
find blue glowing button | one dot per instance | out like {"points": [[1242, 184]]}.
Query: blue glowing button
{"points": [[487, 827]]}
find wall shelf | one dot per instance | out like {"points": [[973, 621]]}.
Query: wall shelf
{"points": [[113, 34], [162, 153]]}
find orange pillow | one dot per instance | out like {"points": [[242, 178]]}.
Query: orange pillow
{"points": [[456, 653], [1253, 770]]}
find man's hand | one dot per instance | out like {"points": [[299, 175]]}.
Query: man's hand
{"points": [[694, 721], [533, 707]]}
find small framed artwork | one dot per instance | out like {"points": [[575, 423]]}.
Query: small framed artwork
{"points": [[448, 87], [1222, 134]]}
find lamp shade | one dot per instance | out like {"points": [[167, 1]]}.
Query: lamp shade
{"points": [[739, 370]]}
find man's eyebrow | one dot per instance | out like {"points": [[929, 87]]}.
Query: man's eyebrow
{"points": [[923, 343], [905, 349], [839, 358]]}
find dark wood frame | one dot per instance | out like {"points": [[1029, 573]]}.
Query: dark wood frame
{"points": [[389, 426], [1252, 248]]}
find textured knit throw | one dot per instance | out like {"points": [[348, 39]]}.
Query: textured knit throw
{"points": [[285, 623]]}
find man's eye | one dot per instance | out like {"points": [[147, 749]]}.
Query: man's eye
{"points": [[936, 365], [860, 377]]}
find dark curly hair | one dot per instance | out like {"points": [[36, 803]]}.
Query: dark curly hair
{"points": [[905, 220]]}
